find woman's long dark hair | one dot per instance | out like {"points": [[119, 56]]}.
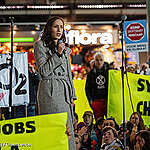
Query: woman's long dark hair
{"points": [[141, 125], [46, 35]]}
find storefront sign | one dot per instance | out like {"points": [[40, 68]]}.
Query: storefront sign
{"points": [[75, 37], [135, 36]]}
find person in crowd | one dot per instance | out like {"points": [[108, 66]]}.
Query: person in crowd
{"points": [[144, 69], [85, 141], [75, 122], [96, 134], [137, 125], [131, 68], [88, 120], [77, 141], [148, 65], [148, 61], [112, 66], [82, 128], [137, 121], [111, 122], [137, 69], [56, 90], [96, 87], [68, 132], [128, 130], [111, 142], [142, 140], [87, 123], [34, 79]]}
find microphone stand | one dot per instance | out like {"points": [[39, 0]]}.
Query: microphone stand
{"points": [[11, 67], [123, 18]]}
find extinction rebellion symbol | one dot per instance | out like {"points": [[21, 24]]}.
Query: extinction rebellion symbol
{"points": [[135, 31]]}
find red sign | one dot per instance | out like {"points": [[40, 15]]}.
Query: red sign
{"points": [[135, 31]]}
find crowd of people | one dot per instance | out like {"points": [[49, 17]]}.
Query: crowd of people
{"points": [[80, 71], [106, 134]]}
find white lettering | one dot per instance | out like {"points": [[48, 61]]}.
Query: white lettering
{"points": [[85, 38], [75, 37], [95, 36], [106, 38], [135, 27]]}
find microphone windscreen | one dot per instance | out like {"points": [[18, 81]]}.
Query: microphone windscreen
{"points": [[60, 41]]}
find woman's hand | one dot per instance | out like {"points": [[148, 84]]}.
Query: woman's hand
{"points": [[82, 131], [61, 48]]}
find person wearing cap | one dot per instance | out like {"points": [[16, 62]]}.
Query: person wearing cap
{"points": [[88, 119], [87, 124]]}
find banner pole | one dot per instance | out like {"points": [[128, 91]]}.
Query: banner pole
{"points": [[11, 66], [123, 18]]}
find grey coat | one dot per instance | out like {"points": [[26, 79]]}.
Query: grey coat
{"points": [[56, 90]]}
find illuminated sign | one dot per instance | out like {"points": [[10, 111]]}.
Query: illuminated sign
{"points": [[75, 37]]}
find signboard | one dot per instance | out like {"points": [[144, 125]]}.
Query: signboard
{"points": [[20, 80], [135, 36]]}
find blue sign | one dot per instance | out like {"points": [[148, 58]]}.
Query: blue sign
{"points": [[135, 36]]}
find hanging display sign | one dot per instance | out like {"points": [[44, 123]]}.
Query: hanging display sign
{"points": [[75, 37], [135, 36], [20, 80]]}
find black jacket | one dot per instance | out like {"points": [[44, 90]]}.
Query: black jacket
{"points": [[96, 86]]}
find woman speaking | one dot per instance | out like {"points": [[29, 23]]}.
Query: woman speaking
{"points": [[56, 90]]}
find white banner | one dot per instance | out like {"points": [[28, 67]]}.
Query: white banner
{"points": [[20, 80]]}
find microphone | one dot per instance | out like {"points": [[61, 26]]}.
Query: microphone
{"points": [[124, 18], [59, 42]]}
